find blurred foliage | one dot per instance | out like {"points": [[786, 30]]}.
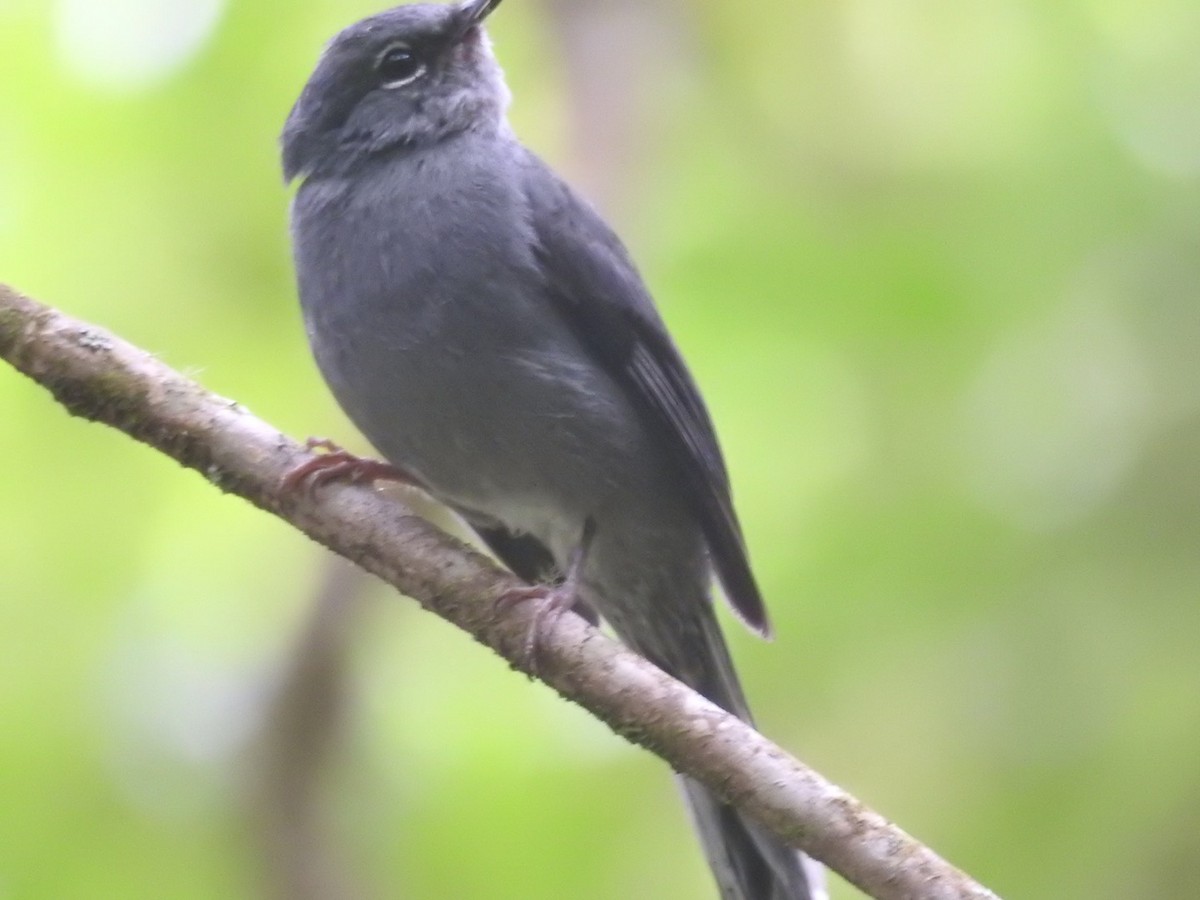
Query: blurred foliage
{"points": [[935, 263]]}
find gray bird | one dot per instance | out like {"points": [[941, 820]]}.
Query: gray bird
{"points": [[488, 333]]}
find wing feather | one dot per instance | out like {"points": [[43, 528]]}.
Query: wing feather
{"points": [[595, 287]]}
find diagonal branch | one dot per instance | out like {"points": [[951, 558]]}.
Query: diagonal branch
{"points": [[100, 377]]}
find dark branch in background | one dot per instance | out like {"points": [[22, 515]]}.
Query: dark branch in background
{"points": [[100, 377], [300, 734]]}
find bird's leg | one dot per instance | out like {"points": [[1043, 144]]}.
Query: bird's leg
{"points": [[336, 464], [553, 599]]}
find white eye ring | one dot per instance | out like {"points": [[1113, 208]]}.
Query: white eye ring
{"points": [[401, 82]]}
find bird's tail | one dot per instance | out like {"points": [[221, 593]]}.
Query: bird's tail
{"points": [[747, 860]]}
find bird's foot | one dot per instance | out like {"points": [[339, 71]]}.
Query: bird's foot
{"points": [[552, 599], [336, 464]]}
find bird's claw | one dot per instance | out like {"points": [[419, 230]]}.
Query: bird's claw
{"points": [[552, 601], [337, 464]]}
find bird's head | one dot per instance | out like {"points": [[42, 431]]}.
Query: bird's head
{"points": [[407, 77]]}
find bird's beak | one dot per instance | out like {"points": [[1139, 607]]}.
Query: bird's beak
{"points": [[475, 11]]}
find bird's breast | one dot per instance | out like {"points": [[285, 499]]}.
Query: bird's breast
{"points": [[428, 318]]}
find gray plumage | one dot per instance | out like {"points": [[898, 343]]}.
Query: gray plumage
{"points": [[489, 335]]}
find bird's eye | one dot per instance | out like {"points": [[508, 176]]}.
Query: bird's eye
{"points": [[397, 66]]}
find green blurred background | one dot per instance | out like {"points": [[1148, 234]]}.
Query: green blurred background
{"points": [[935, 263]]}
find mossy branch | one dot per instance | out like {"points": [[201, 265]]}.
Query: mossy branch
{"points": [[98, 376]]}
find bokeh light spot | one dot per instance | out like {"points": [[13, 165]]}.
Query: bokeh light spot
{"points": [[129, 45], [1056, 417]]}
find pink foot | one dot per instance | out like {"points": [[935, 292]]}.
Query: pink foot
{"points": [[553, 599], [336, 464]]}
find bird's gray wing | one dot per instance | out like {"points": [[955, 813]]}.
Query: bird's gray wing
{"points": [[595, 287]]}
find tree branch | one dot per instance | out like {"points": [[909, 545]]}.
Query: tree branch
{"points": [[100, 377]]}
